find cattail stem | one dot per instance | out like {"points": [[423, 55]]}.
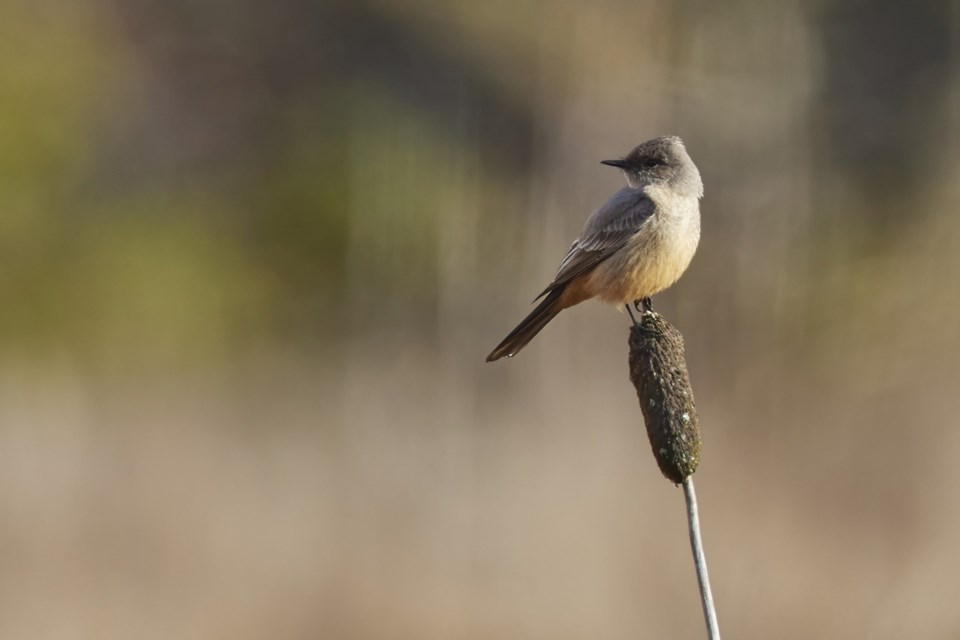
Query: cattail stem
{"points": [[700, 560], [658, 370]]}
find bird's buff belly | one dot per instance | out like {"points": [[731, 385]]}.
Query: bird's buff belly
{"points": [[648, 264]]}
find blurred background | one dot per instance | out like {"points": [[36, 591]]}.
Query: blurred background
{"points": [[252, 258]]}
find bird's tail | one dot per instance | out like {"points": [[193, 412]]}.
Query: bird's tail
{"points": [[517, 339]]}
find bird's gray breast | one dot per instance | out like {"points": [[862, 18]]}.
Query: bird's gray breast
{"points": [[655, 255]]}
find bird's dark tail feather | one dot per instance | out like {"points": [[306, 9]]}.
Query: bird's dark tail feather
{"points": [[546, 311]]}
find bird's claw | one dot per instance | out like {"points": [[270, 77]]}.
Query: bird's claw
{"points": [[643, 305]]}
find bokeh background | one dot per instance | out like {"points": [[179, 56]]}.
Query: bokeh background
{"points": [[252, 256]]}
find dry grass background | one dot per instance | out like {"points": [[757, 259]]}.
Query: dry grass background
{"points": [[254, 259]]}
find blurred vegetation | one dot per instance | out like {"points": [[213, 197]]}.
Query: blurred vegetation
{"points": [[184, 182]]}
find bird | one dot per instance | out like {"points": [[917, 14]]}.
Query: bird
{"points": [[634, 246]]}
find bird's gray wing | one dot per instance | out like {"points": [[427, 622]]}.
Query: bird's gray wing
{"points": [[605, 233]]}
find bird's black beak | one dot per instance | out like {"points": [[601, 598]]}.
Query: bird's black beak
{"points": [[619, 164]]}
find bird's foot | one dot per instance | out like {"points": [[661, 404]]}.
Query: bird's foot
{"points": [[643, 305], [634, 320]]}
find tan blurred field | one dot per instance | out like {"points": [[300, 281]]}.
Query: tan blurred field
{"points": [[252, 258]]}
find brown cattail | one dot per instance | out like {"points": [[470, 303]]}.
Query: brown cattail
{"points": [[658, 370]]}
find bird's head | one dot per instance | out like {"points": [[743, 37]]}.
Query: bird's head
{"points": [[661, 162]]}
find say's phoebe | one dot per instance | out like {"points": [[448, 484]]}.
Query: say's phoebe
{"points": [[637, 244]]}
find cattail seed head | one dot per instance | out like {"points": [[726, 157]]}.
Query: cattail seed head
{"points": [[658, 370]]}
